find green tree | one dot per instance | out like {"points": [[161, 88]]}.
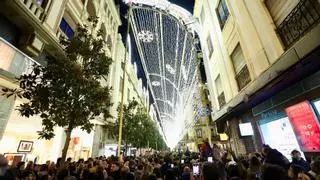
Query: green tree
{"points": [[67, 91], [139, 130]]}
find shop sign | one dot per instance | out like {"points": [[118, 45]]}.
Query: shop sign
{"points": [[305, 126], [25, 146]]}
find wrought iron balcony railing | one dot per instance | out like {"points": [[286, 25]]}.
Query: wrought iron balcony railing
{"points": [[243, 77], [300, 20], [14, 63]]}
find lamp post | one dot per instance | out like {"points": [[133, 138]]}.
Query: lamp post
{"points": [[123, 83]]}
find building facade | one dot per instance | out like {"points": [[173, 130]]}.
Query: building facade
{"points": [[30, 31], [260, 59]]}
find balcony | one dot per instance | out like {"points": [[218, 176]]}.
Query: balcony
{"points": [[13, 62], [32, 8], [299, 21], [243, 77]]}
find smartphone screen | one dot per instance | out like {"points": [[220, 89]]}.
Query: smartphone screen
{"points": [[195, 169], [182, 161], [210, 159]]}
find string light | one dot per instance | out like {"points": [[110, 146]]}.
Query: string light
{"points": [[169, 59]]}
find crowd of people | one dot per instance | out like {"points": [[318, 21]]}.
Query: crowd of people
{"points": [[210, 164]]}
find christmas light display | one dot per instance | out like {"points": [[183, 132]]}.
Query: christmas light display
{"points": [[167, 51]]}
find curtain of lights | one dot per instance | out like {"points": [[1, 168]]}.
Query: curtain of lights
{"points": [[168, 56]]}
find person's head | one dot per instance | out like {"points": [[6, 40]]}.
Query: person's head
{"points": [[254, 163], [48, 163], [59, 160], [30, 166], [295, 154], [125, 169], [294, 171], [149, 169], [270, 171], [210, 171], [27, 175], [43, 167], [140, 167], [3, 165], [115, 167], [315, 165], [69, 159], [186, 169], [266, 149], [21, 165]]}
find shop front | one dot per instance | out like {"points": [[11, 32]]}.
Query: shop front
{"points": [[20, 140], [290, 119]]}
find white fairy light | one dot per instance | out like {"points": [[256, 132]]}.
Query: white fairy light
{"points": [[145, 36], [170, 69], [155, 83]]}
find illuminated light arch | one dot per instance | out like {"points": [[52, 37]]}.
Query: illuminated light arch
{"points": [[168, 59]]}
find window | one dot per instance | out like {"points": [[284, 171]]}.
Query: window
{"points": [[210, 46], [222, 12], [240, 67], [202, 16], [279, 9], [121, 85], [66, 28], [220, 93]]}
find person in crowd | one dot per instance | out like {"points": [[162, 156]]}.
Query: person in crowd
{"points": [[5, 173], [273, 172], [206, 149], [211, 171], [296, 172], [314, 173], [115, 171], [299, 161], [186, 173], [254, 170], [167, 166], [273, 156]]}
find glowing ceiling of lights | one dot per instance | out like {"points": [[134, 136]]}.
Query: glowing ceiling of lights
{"points": [[168, 56]]}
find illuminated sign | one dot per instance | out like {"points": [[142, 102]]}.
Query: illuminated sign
{"points": [[279, 135], [246, 129], [305, 125]]}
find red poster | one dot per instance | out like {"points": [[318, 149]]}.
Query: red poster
{"points": [[305, 125]]}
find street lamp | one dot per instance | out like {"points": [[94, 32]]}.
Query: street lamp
{"points": [[123, 83]]}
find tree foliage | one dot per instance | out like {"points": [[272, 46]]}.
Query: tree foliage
{"points": [[67, 91], [139, 130]]}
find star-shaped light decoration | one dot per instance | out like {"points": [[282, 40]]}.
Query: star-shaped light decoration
{"points": [[170, 69], [145, 36], [155, 83]]}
